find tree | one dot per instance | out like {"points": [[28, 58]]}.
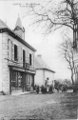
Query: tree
{"points": [[56, 14], [68, 55], [67, 82]]}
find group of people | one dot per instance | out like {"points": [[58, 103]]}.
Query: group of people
{"points": [[43, 89], [50, 88]]}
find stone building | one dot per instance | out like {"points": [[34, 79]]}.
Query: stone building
{"points": [[75, 52], [16, 59], [44, 74], [76, 68]]}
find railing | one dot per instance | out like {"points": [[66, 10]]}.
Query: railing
{"points": [[26, 66]]}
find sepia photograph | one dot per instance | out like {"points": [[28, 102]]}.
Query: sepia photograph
{"points": [[38, 59]]}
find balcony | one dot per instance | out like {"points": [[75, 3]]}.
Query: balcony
{"points": [[26, 66]]}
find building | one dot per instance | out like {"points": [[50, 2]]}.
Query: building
{"points": [[75, 51], [76, 68], [16, 59], [44, 75]]}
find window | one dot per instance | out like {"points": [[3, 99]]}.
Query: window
{"points": [[76, 26], [15, 53], [76, 35], [23, 57], [30, 59]]}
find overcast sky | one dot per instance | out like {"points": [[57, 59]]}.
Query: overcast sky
{"points": [[47, 45]]}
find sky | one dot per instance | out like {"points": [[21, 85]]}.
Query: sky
{"points": [[46, 44]]}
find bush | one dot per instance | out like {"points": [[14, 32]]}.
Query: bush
{"points": [[64, 88], [75, 88], [43, 89], [57, 85]]}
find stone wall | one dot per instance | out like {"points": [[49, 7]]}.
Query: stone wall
{"points": [[5, 68], [21, 47], [0, 62], [7, 58]]}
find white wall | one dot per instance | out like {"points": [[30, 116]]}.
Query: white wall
{"points": [[49, 75], [5, 54], [42, 75], [4, 69], [0, 61], [39, 77]]}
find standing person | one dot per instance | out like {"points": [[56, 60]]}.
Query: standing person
{"points": [[37, 89]]}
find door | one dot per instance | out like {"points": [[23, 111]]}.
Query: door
{"points": [[15, 81]]}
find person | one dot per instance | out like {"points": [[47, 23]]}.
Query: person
{"points": [[37, 89]]}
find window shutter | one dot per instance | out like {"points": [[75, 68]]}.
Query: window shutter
{"points": [[27, 58], [19, 54], [32, 60], [12, 51]]}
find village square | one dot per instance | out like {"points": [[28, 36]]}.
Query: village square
{"points": [[36, 83]]}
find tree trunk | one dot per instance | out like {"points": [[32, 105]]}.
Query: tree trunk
{"points": [[73, 84], [72, 76]]}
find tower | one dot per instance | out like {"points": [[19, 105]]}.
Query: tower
{"points": [[19, 29]]}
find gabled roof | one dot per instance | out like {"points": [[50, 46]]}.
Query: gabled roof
{"points": [[41, 65], [5, 28]]}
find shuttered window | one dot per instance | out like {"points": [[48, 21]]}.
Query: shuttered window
{"points": [[15, 53], [23, 58], [30, 59]]}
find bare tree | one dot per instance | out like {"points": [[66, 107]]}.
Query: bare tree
{"points": [[56, 14], [65, 13], [68, 55]]}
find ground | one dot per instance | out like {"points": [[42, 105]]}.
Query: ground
{"points": [[39, 106]]}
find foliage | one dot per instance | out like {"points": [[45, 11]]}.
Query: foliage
{"points": [[60, 86], [57, 85], [54, 14], [67, 82], [75, 88], [64, 88]]}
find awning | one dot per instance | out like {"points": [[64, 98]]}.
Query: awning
{"points": [[20, 69]]}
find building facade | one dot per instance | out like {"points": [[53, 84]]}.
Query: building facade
{"points": [[16, 59], [44, 75], [76, 67], [75, 50]]}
